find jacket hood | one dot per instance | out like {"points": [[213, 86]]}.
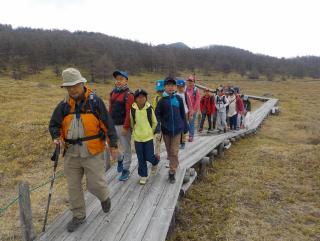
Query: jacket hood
{"points": [[135, 106]]}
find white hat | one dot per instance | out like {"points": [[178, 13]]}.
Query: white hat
{"points": [[72, 77]]}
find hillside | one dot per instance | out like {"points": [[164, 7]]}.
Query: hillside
{"points": [[25, 51]]}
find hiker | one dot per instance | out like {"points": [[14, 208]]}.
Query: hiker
{"points": [[143, 124], [81, 124], [158, 135], [207, 109], [171, 115], [181, 85], [214, 113], [121, 100], [221, 103], [239, 108], [232, 110], [246, 103], [194, 95]]}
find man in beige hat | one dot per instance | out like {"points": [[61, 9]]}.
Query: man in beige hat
{"points": [[82, 125]]}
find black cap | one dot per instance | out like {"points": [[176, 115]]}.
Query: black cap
{"points": [[170, 80], [140, 92]]}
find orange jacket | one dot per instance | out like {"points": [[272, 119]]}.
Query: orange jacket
{"points": [[94, 117]]}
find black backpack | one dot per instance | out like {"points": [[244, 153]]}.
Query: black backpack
{"points": [[149, 115], [218, 100]]}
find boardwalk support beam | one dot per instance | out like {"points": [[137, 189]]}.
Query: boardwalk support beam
{"points": [[221, 150], [186, 176], [211, 158], [203, 164]]}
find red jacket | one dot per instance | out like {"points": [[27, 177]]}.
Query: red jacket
{"points": [[120, 109], [207, 105], [239, 104]]}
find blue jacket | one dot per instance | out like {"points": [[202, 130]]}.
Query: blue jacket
{"points": [[171, 115]]}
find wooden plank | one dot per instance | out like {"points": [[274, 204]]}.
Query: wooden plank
{"points": [[140, 221], [122, 219], [160, 221]]}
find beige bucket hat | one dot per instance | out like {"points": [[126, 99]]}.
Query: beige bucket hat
{"points": [[71, 77]]}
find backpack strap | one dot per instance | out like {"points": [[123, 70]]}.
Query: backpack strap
{"points": [[195, 92], [186, 100], [125, 98], [133, 114], [149, 115], [93, 104]]}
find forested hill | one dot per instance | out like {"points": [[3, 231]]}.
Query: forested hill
{"points": [[26, 50]]}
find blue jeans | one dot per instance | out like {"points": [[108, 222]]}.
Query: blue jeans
{"points": [[203, 118], [191, 124], [145, 152], [233, 122]]}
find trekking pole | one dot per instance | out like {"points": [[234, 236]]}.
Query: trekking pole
{"points": [[54, 158]]}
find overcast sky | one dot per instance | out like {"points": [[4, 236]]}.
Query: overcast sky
{"points": [[282, 28]]}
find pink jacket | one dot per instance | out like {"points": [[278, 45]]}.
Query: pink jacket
{"points": [[194, 96]]}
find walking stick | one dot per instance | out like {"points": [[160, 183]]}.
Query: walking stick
{"points": [[54, 158]]}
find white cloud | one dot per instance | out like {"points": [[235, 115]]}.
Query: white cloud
{"points": [[278, 28]]}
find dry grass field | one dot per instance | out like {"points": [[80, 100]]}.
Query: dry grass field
{"points": [[266, 188]]}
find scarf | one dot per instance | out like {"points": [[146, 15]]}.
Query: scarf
{"points": [[120, 89]]}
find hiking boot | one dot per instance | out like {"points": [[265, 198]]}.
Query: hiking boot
{"points": [[154, 169], [190, 138], [200, 130], [120, 166], [75, 223], [106, 205], [143, 180], [124, 175], [172, 178], [182, 146], [225, 130]]}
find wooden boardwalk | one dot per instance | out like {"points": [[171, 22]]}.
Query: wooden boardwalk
{"points": [[144, 212]]}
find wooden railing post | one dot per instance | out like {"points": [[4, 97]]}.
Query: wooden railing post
{"points": [[27, 229]]}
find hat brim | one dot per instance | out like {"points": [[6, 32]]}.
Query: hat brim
{"points": [[83, 80], [116, 73]]}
